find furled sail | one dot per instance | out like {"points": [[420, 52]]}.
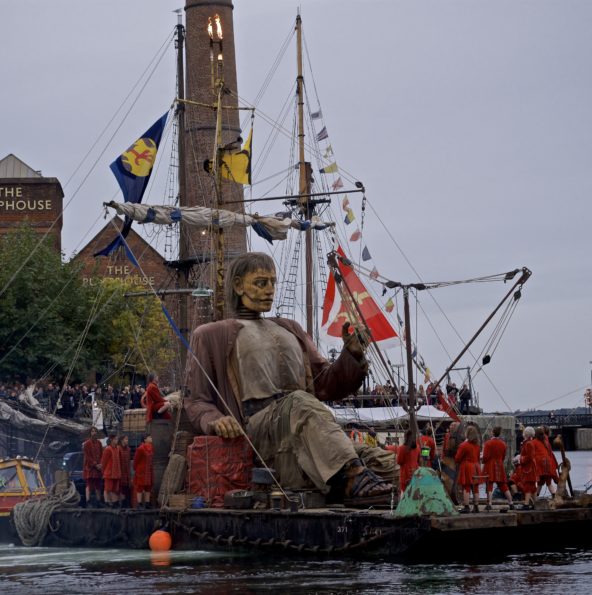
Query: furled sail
{"points": [[268, 227]]}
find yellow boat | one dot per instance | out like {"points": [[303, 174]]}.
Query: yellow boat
{"points": [[20, 480]]}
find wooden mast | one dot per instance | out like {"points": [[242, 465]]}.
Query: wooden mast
{"points": [[306, 206], [182, 273], [410, 405]]}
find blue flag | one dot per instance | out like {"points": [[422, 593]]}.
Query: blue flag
{"points": [[366, 254], [132, 170]]}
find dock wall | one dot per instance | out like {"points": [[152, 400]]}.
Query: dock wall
{"points": [[583, 439]]}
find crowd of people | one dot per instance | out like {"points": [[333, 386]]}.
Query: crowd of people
{"points": [[74, 401], [459, 399]]}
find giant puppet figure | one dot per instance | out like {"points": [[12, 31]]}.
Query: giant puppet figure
{"points": [[264, 376]]}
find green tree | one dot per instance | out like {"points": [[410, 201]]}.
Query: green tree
{"points": [[139, 335], [53, 325]]}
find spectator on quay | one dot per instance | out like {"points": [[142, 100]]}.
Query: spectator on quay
{"points": [[52, 397], [135, 398], [465, 399], [421, 395], [127, 397]]}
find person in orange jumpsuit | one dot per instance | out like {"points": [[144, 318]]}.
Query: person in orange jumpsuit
{"points": [[124, 459], [111, 466], [469, 471], [546, 471], [143, 472], [426, 440], [494, 454], [92, 451], [156, 405], [408, 459], [528, 470]]}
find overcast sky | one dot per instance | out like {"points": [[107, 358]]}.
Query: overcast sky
{"points": [[469, 121]]}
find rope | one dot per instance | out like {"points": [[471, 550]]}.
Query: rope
{"points": [[32, 517]]}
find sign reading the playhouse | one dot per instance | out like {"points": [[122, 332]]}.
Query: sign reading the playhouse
{"points": [[125, 273], [13, 200]]}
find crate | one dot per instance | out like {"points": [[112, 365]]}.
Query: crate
{"points": [[182, 501], [217, 465], [134, 420]]}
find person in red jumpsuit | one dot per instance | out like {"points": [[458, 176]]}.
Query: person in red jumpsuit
{"points": [[494, 454], [546, 471], [143, 472], [124, 460], [92, 451], [111, 466], [408, 460], [528, 470], [156, 405], [469, 471]]}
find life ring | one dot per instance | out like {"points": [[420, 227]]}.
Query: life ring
{"points": [[356, 436]]}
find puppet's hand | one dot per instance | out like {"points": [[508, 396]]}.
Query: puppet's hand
{"points": [[352, 343], [226, 427]]}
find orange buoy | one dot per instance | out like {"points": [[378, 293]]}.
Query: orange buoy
{"points": [[160, 541]]}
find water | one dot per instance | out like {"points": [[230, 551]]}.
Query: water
{"points": [[50, 571], [57, 571]]}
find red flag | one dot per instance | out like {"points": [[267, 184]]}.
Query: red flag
{"points": [[355, 236], [335, 312]]}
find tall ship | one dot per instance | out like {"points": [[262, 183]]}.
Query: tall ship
{"points": [[326, 279]]}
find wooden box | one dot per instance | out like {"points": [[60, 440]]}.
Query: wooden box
{"points": [[134, 421]]}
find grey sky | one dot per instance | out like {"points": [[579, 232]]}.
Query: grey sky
{"points": [[469, 122]]}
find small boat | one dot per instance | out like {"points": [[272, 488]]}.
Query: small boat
{"points": [[20, 480]]}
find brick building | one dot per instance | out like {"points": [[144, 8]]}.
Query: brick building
{"points": [[117, 266], [26, 196]]}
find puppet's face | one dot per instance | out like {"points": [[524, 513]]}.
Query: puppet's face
{"points": [[256, 290]]}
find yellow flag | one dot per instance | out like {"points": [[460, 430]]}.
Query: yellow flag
{"points": [[236, 165], [329, 169]]}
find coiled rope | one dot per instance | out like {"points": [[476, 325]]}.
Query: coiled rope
{"points": [[32, 517]]}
